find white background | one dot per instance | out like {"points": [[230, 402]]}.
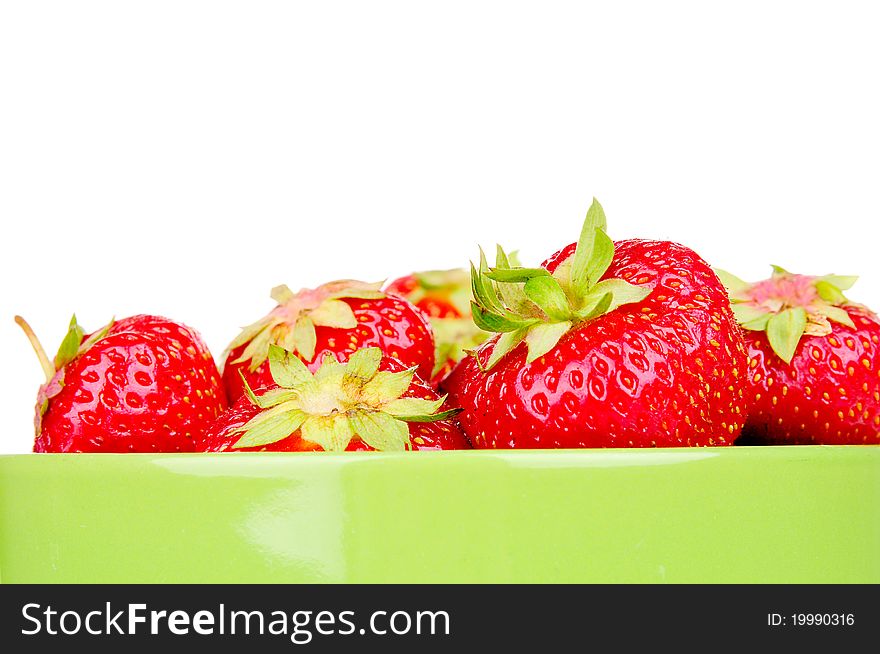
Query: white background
{"points": [[182, 158]]}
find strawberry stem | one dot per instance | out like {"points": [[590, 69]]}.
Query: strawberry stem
{"points": [[539, 307], [45, 363]]}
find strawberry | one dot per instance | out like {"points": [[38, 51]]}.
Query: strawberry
{"points": [[438, 293], [606, 345], [814, 359], [337, 318], [445, 297], [372, 402], [141, 384]]}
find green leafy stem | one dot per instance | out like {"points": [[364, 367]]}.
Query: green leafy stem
{"points": [[338, 402], [539, 307]]}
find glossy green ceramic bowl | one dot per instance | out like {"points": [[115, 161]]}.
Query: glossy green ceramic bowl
{"points": [[739, 514]]}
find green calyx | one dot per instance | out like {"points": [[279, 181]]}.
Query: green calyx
{"points": [[535, 306], [453, 285], [786, 306], [72, 346], [292, 323], [454, 338], [337, 403]]}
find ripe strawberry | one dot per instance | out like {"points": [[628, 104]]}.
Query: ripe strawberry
{"points": [[607, 345], [445, 297], [141, 384], [438, 293], [814, 359], [369, 403], [337, 318]]}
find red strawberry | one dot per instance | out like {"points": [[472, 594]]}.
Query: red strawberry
{"points": [[814, 359], [439, 293], [337, 318], [648, 356], [141, 384], [369, 403], [445, 297]]}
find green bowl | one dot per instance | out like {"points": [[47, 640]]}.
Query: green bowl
{"points": [[739, 514]]}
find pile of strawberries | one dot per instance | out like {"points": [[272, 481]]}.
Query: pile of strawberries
{"points": [[633, 343]]}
